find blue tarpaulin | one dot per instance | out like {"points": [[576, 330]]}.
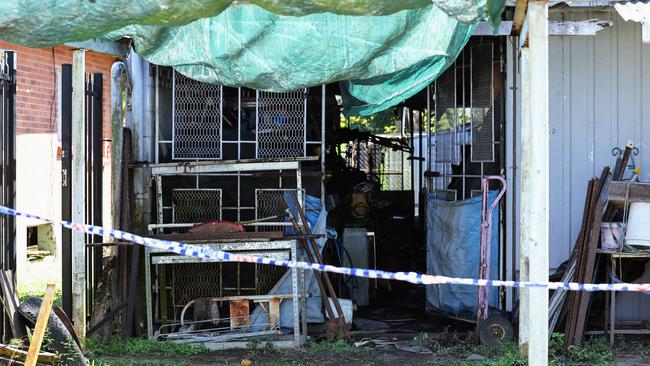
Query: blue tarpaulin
{"points": [[316, 217], [453, 249]]}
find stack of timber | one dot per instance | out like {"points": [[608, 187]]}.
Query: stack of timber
{"points": [[570, 306]]}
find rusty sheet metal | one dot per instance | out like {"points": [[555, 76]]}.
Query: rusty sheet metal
{"points": [[239, 313]]}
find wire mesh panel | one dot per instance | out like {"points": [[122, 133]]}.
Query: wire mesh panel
{"points": [[196, 121], [268, 203], [192, 280], [482, 108], [195, 205], [281, 120], [267, 276]]}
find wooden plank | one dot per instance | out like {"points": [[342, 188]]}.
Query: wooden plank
{"points": [[618, 191], [11, 302], [578, 250], [18, 355], [586, 256], [585, 296], [268, 235], [518, 18], [67, 323], [41, 326], [274, 312], [107, 318]]}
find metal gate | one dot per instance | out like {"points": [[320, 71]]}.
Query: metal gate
{"points": [[7, 169], [93, 138]]}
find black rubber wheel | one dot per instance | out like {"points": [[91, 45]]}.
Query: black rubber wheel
{"points": [[58, 338], [496, 329]]}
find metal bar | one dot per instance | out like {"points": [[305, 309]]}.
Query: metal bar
{"points": [[322, 139], [98, 164], [221, 167], [535, 181], [156, 92], [429, 180], [173, 114], [133, 289], [107, 318], [9, 164], [257, 123], [304, 123], [66, 187], [88, 197], [238, 123], [78, 184]]}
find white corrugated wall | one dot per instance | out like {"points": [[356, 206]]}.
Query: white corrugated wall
{"points": [[600, 99]]}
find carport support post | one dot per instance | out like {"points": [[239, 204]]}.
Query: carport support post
{"points": [[523, 252], [535, 182], [78, 193]]}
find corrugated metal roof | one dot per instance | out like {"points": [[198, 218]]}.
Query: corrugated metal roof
{"points": [[635, 11]]}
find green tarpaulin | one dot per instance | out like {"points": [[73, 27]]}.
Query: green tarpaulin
{"points": [[382, 51]]}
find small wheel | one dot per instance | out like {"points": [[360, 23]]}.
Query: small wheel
{"points": [[494, 330]]}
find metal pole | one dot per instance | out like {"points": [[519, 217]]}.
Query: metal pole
{"points": [[66, 187], [78, 190], [535, 181], [97, 166]]}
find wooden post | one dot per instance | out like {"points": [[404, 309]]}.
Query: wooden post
{"points": [[535, 182], [523, 251], [40, 327], [78, 194]]}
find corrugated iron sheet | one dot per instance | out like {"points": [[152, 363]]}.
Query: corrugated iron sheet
{"points": [[635, 11]]}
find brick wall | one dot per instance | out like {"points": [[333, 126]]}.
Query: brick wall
{"points": [[36, 96]]}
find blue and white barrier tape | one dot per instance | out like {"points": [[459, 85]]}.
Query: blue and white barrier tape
{"points": [[412, 277]]}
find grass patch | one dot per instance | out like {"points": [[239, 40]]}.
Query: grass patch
{"points": [[25, 291], [593, 351], [140, 346]]}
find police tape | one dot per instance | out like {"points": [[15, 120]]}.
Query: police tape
{"points": [[206, 252]]}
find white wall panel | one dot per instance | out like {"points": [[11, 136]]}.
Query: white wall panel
{"points": [[599, 93]]}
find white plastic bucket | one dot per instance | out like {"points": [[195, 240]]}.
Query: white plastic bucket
{"points": [[638, 225], [346, 306], [611, 234]]}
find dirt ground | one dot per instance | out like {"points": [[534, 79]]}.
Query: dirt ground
{"points": [[287, 357], [380, 356]]}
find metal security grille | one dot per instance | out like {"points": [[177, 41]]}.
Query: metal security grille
{"points": [[195, 205], [267, 277], [465, 106], [188, 285], [268, 202], [482, 111], [197, 117], [193, 280], [281, 120]]}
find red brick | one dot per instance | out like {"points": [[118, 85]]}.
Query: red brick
{"points": [[35, 110]]}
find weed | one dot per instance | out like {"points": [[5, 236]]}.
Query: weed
{"points": [[595, 351], [338, 346], [16, 342], [140, 346]]}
